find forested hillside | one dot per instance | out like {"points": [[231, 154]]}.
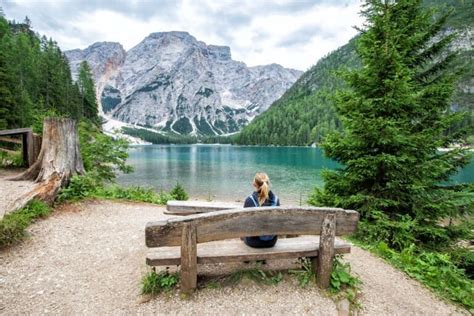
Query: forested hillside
{"points": [[35, 79], [305, 113]]}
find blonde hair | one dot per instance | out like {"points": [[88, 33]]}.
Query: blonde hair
{"points": [[262, 182]]}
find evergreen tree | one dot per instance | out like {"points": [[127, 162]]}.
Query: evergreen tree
{"points": [[35, 79], [8, 112], [87, 88], [395, 114]]}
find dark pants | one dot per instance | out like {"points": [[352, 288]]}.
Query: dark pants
{"points": [[256, 242]]}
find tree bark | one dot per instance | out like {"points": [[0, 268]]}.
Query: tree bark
{"points": [[59, 159]]}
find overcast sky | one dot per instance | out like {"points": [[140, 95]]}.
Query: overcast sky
{"points": [[293, 33]]}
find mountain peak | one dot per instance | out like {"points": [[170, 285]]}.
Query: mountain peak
{"points": [[219, 52], [172, 82], [177, 34]]}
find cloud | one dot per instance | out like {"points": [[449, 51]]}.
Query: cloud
{"points": [[293, 33]]}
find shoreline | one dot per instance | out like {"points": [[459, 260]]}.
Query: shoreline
{"points": [[441, 149]]}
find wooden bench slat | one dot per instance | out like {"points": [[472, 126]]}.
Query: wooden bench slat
{"points": [[11, 140], [16, 131], [241, 222], [237, 251], [196, 207]]}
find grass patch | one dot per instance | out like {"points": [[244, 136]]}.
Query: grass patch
{"points": [[13, 226], [435, 270], [343, 284], [155, 283], [11, 159], [255, 274], [305, 275], [87, 186], [136, 193]]}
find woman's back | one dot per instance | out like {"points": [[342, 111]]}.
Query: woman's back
{"points": [[261, 197]]}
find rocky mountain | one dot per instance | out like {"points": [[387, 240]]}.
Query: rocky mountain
{"points": [[173, 82], [305, 113]]}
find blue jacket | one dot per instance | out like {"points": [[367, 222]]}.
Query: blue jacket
{"points": [[267, 240]]}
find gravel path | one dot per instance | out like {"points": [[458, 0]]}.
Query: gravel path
{"points": [[88, 259], [386, 290], [11, 190]]}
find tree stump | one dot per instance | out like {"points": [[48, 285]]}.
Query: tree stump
{"points": [[59, 159]]}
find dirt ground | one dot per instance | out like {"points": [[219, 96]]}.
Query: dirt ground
{"points": [[88, 258]]}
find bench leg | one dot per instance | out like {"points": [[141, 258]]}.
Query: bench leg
{"points": [[326, 251], [188, 259]]}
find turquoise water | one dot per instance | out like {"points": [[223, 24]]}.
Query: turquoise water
{"points": [[224, 172]]}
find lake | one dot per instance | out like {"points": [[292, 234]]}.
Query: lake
{"points": [[225, 172]]}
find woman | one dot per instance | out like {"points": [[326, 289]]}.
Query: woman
{"points": [[262, 196]]}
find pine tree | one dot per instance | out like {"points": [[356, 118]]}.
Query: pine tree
{"points": [[395, 113], [9, 116], [87, 88]]}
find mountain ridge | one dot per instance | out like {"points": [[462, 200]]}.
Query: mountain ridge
{"points": [[172, 82]]}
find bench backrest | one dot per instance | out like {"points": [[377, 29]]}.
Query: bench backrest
{"points": [[253, 221]]}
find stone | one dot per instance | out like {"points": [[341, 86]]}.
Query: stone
{"points": [[343, 307]]}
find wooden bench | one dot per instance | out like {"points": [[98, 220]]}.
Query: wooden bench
{"points": [[175, 241]]}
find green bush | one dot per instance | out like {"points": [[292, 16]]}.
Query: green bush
{"points": [[80, 187], [178, 193], [13, 225], [463, 258], [341, 278], [102, 155], [154, 283]]}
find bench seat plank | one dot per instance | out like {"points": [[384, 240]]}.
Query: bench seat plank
{"points": [[236, 251], [195, 207]]}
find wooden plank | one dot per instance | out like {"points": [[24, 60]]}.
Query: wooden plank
{"points": [[196, 207], [10, 140], [37, 140], [30, 149], [326, 252], [236, 251], [24, 148], [242, 222], [188, 258], [15, 131]]}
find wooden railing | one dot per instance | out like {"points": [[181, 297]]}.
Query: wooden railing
{"points": [[31, 143]]}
